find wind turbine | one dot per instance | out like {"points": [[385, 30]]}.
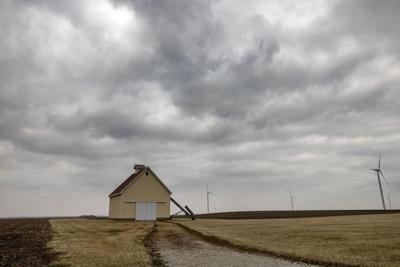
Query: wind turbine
{"points": [[378, 173], [208, 198], [291, 200]]}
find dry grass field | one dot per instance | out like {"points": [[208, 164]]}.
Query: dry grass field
{"points": [[363, 240], [100, 242]]}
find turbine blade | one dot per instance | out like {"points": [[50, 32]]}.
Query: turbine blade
{"points": [[379, 162], [384, 178]]}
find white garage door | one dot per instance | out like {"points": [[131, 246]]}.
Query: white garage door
{"points": [[146, 211]]}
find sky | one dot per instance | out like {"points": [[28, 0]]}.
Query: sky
{"points": [[255, 98]]}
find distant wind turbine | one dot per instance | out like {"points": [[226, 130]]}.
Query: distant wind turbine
{"points": [[208, 198], [291, 200], [378, 173]]}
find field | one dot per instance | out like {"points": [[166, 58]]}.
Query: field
{"points": [[364, 240], [84, 242], [23, 242]]}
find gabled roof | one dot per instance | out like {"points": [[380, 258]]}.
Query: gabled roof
{"points": [[117, 191], [124, 184]]}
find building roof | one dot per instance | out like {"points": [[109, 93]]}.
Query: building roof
{"points": [[117, 191]]}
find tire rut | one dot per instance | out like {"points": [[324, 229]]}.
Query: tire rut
{"points": [[156, 259]]}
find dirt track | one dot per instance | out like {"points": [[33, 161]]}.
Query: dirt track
{"points": [[179, 248], [23, 242]]}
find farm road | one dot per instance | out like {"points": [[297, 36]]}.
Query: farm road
{"points": [[176, 247]]}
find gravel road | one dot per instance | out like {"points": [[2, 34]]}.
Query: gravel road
{"points": [[177, 248]]}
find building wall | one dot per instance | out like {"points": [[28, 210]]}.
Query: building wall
{"points": [[145, 188], [114, 207], [163, 209]]}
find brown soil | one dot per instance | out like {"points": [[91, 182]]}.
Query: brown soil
{"points": [[23, 242], [273, 214]]}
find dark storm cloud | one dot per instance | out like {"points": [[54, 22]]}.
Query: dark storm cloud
{"points": [[255, 103], [203, 67]]}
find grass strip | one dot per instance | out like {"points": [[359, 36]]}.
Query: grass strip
{"points": [[104, 242]]}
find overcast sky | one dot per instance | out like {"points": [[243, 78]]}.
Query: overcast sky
{"points": [[254, 98]]}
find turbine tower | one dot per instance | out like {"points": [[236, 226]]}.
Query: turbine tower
{"points": [[378, 173], [208, 198], [291, 200]]}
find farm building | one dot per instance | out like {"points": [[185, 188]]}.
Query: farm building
{"points": [[142, 196]]}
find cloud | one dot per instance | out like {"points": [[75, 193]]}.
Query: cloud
{"points": [[256, 100]]}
